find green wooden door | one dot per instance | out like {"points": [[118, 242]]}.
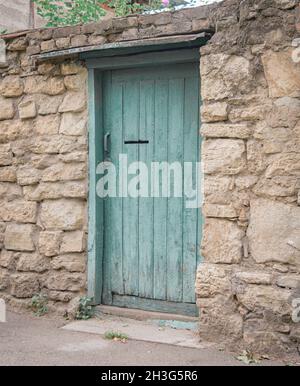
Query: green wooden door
{"points": [[151, 244]]}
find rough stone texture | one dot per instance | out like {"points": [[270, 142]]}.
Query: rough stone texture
{"points": [[251, 114], [251, 136]]}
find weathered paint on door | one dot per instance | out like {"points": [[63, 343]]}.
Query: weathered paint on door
{"points": [[151, 245]]}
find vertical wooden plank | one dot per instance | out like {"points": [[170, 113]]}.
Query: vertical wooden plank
{"points": [[115, 236], [175, 215], [130, 204], [160, 203], [95, 236], [190, 215], [146, 204]]}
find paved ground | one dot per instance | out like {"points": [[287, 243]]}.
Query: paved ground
{"points": [[26, 340]]}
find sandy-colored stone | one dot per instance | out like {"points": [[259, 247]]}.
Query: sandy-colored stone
{"points": [[76, 82], [19, 237], [49, 243], [214, 112], [11, 87], [47, 125], [18, 211], [73, 102], [274, 232], [222, 242], [72, 242], [219, 130], [254, 277], [224, 156], [223, 75], [49, 104], [258, 298], [53, 190], [65, 281], [6, 156], [24, 285], [32, 262], [39, 85], [8, 174], [27, 110], [73, 123], [6, 109], [64, 172], [71, 262], [27, 175], [62, 214], [282, 74]]}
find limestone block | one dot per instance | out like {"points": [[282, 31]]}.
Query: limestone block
{"points": [[212, 280], [47, 125], [62, 43], [70, 262], [4, 280], [6, 156], [58, 296], [64, 172], [274, 232], [72, 242], [254, 277], [32, 262], [76, 82], [8, 259], [18, 211], [73, 123], [73, 102], [9, 191], [215, 112], [256, 161], [49, 243], [70, 68], [13, 130], [27, 175], [8, 174], [280, 186], [289, 281], [215, 130], [258, 298], [223, 75], [24, 285], [284, 165], [222, 242], [11, 87], [65, 281], [6, 109], [27, 110], [19, 237], [53, 190], [282, 73], [219, 211], [63, 214], [224, 156], [39, 85], [49, 104], [285, 113]]}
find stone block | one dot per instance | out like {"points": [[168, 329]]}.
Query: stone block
{"points": [[19, 237], [24, 285], [63, 214], [222, 242], [49, 243], [274, 232], [223, 156], [72, 242]]}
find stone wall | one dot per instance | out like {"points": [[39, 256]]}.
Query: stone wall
{"points": [[43, 181], [251, 154]]}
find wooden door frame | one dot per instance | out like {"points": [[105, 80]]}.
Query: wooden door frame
{"points": [[96, 66]]}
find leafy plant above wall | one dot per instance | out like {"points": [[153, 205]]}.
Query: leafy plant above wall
{"points": [[66, 12]]}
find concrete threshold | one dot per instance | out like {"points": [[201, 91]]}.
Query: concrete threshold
{"points": [[149, 330]]}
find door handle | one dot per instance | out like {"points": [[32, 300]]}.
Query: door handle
{"points": [[106, 145]]}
